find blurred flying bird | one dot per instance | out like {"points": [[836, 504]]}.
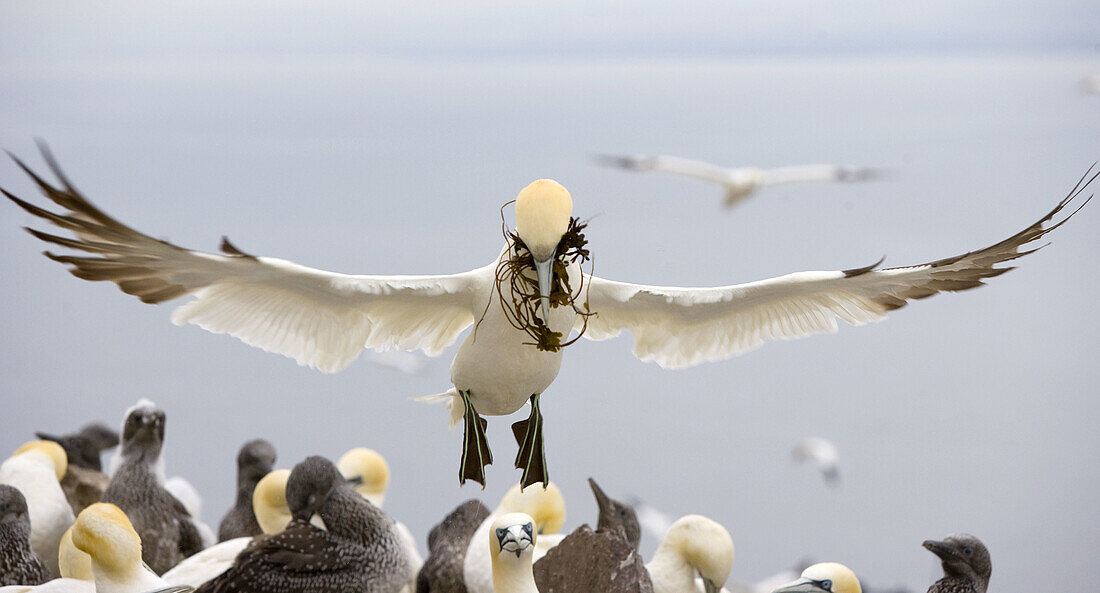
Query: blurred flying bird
{"points": [[742, 182], [822, 453], [523, 306]]}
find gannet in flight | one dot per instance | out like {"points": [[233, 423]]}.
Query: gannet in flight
{"points": [[742, 182], [523, 305], [823, 454]]}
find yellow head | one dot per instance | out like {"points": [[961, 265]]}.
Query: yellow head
{"points": [[73, 563], [511, 547], [50, 449], [367, 469], [545, 506], [826, 577], [543, 209], [104, 532], [269, 502], [705, 545]]}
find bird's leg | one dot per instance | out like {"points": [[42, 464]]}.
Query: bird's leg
{"points": [[475, 447], [531, 457]]}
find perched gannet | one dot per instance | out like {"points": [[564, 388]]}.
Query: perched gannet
{"points": [[743, 182], [693, 544], [104, 532], [167, 531], [822, 453], [84, 482], [447, 544], [358, 550], [524, 304], [615, 515], [604, 560], [19, 565], [269, 506], [966, 564], [254, 461], [545, 505], [36, 469], [84, 448], [368, 471], [511, 546], [826, 577]]}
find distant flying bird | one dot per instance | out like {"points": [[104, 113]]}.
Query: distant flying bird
{"points": [[966, 564], [822, 453], [742, 182], [523, 306], [1091, 84]]}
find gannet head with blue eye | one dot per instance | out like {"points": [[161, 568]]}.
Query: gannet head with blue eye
{"points": [[826, 577], [543, 210], [513, 533]]}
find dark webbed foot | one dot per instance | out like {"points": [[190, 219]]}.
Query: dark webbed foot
{"points": [[531, 457], [475, 447]]}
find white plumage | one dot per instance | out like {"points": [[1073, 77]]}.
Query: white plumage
{"points": [[740, 183], [822, 453], [325, 319], [36, 469]]}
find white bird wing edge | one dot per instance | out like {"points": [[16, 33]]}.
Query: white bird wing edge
{"points": [[683, 327], [320, 319]]}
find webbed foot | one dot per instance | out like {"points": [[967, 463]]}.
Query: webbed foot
{"points": [[475, 447], [531, 457]]}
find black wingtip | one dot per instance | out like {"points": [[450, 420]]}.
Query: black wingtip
{"points": [[864, 269]]}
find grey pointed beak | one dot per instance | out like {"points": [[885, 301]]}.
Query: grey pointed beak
{"points": [[710, 587], [545, 271], [941, 549], [601, 499], [802, 585]]}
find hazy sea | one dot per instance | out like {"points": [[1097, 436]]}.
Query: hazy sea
{"points": [[973, 412]]}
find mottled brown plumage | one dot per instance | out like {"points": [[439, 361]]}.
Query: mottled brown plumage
{"points": [[358, 553], [19, 565], [167, 532], [447, 544], [254, 461], [966, 564]]}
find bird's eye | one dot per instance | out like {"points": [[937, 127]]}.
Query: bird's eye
{"points": [[529, 528], [622, 512], [501, 532], [968, 551], [827, 585]]}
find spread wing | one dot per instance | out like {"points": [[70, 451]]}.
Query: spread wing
{"points": [[318, 318], [807, 173], [682, 327]]}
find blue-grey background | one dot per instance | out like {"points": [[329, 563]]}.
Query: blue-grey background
{"points": [[372, 139]]}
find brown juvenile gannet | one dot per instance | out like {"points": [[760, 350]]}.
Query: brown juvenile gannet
{"points": [[447, 544], [254, 461], [19, 565], [604, 560], [168, 534], [358, 551], [966, 564], [526, 303]]}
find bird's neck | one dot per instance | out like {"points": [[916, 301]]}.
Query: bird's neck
{"points": [[514, 575], [128, 576], [958, 584], [670, 571]]}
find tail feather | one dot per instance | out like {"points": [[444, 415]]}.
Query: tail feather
{"points": [[454, 404]]}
